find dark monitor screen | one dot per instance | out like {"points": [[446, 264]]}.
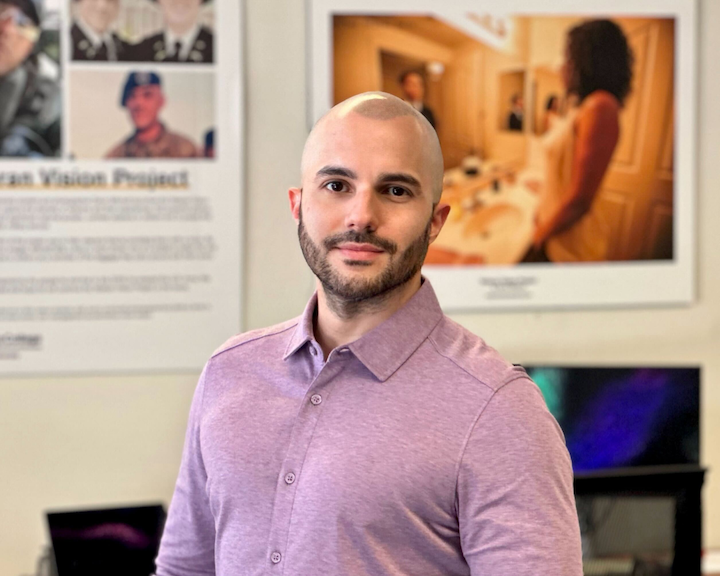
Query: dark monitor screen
{"points": [[624, 417], [113, 542]]}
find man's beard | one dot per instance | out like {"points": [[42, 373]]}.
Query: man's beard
{"points": [[348, 297]]}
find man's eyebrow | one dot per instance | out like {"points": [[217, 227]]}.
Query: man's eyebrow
{"points": [[399, 177], [336, 171]]}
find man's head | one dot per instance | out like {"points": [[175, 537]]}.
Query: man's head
{"points": [[413, 86], [368, 208], [98, 14], [19, 31], [517, 102], [143, 97], [180, 15]]}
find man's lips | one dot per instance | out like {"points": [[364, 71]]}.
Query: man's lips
{"points": [[352, 251]]}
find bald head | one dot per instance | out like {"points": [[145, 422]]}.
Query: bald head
{"points": [[379, 106]]}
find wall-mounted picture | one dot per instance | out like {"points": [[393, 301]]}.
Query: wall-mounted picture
{"points": [[179, 31], [145, 114], [30, 80], [567, 139]]}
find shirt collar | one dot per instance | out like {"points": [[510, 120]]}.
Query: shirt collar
{"points": [[186, 40], [93, 36], [387, 346]]}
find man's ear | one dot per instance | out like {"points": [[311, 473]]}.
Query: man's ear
{"points": [[440, 214], [295, 195]]}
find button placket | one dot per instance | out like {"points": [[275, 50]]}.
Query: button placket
{"points": [[300, 440]]}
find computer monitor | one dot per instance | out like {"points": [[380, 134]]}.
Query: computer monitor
{"points": [[616, 418], [111, 542]]}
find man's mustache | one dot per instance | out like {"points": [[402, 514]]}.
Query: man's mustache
{"points": [[360, 238]]}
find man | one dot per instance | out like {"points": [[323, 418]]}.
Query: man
{"points": [[515, 118], [30, 104], [413, 87], [91, 35], [183, 40], [143, 98], [372, 435]]}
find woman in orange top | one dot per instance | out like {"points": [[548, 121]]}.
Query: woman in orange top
{"points": [[597, 73]]}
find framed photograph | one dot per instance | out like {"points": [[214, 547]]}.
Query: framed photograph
{"points": [[568, 135]]}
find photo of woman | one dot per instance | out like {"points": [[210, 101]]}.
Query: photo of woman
{"points": [[597, 73]]}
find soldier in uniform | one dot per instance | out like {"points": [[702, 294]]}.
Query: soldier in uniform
{"points": [[143, 97], [30, 97], [182, 40], [91, 36]]}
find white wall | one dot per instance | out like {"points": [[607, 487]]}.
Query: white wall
{"points": [[76, 441]]}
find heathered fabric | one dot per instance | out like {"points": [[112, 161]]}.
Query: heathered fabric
{"points": [[415, 450]]}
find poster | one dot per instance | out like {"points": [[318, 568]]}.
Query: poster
{"points": [[568, 134], [120, 184]]}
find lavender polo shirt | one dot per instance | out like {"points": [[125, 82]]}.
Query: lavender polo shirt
{"points": [[414, 450]]}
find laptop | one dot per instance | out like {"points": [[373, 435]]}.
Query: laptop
{"points": [[111, 542]]}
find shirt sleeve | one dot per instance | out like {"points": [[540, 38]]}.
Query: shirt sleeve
{"points": [[516, 507], [187, 547]]}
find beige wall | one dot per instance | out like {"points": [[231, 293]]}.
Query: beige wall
{"points": [[76, 441]]}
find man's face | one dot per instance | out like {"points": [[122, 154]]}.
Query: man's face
{"points": [[144, 104], [366, 216], [414, 87], [98, 14], [180, 13], [18, 35]]}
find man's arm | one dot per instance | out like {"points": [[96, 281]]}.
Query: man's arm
{"points": [[515, 500], [188, 543]]}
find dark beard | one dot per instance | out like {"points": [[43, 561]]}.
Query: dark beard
{"points": [[347, 298]]}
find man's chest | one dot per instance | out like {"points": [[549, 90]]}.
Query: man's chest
{"points": [[342, 447]]}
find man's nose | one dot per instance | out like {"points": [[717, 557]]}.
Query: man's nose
{"points": [[362, 210]]}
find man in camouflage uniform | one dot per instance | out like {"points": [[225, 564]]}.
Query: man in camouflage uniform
{"points": [[183, 40], [30, 98], [143, 97], [91, 35]]}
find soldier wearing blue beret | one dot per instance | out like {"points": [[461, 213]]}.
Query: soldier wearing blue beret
{"points": [[143, 98], [91, 34], [30, 97], [184, 39]]}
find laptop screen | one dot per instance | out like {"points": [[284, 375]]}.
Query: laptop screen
{"points": [[112, 542]]}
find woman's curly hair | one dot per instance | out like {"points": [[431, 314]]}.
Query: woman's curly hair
{"points": [[600, 59]]}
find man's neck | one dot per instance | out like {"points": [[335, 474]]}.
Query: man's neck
{"points": [[149, 134], [341, 322], [96, 37], [180, 29]]}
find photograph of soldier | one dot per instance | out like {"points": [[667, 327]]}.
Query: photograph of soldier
{"points": [[30, 95], [92, 35], [143, 98], [184, 37]]}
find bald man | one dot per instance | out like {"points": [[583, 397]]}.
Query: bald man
{"points": [[371, 435]]}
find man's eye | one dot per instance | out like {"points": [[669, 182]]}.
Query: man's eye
{"points": [[398, 191], [335, 186]]}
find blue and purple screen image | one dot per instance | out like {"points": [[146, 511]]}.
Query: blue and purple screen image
{"points": [[624, 417]]}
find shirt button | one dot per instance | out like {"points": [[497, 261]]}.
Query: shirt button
{"points": [[316, 399], [313, 351], [275, 557], [289, 478], [344, 350]]}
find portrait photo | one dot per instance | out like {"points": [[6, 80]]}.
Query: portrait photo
{"points": [[144, 114], [179, 31], [30, 79]]}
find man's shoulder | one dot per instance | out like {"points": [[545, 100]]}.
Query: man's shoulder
{"points": [[183, 145], [468, 353], [240, 341], [120, 149]]}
